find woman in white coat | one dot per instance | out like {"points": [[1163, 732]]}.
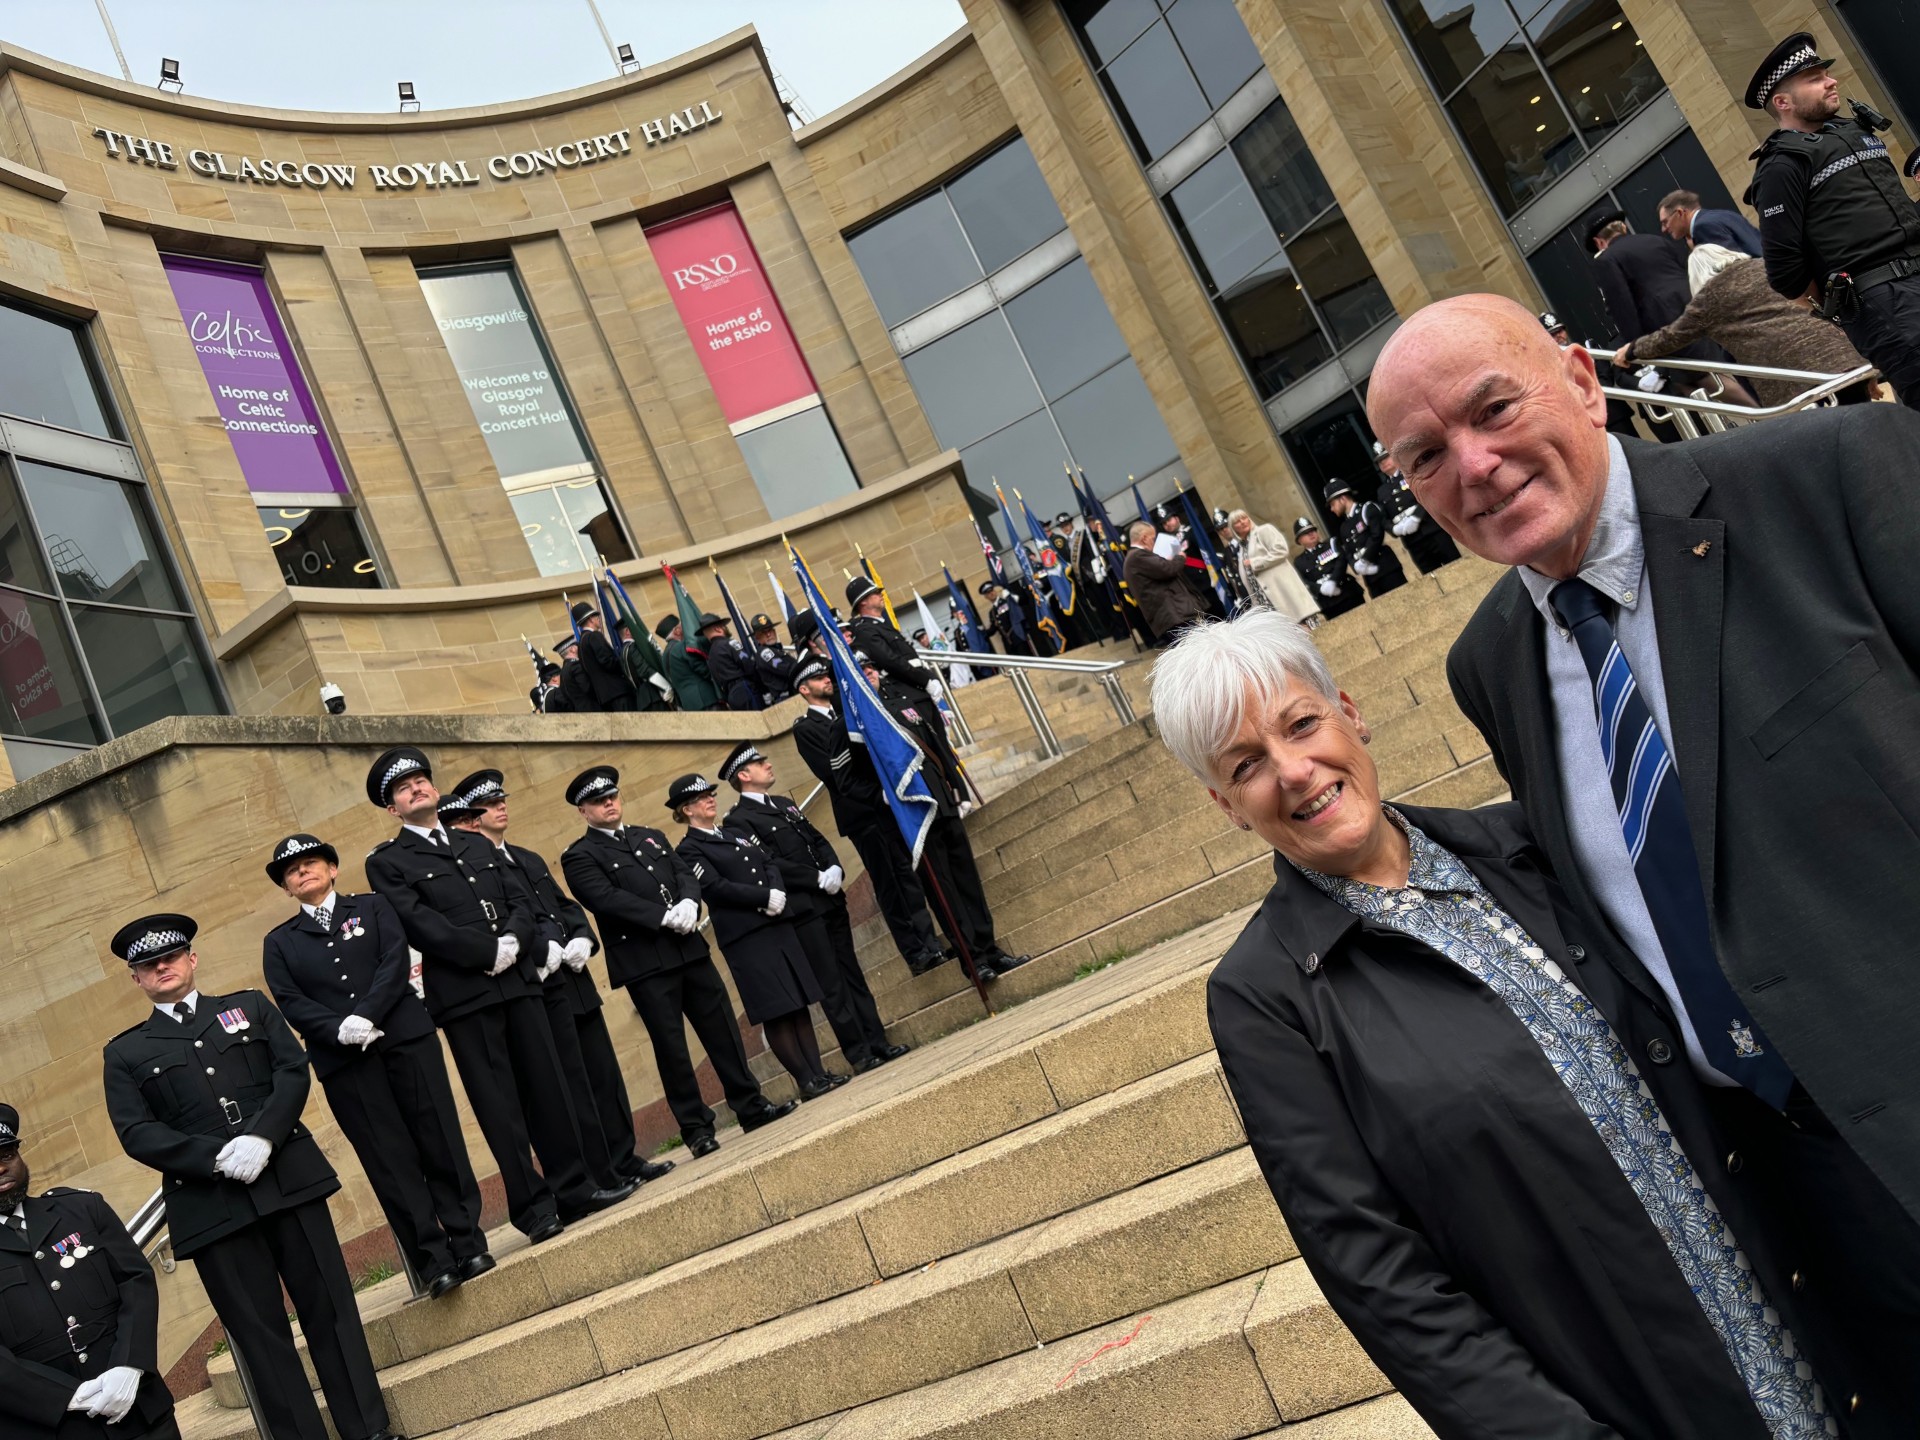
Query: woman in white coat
{"points": [[1267, 570]]}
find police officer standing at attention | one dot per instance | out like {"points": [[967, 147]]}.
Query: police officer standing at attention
{"points": [[1323, 567], [477, 964], [563, 941], [810, 873], [80, 1322], [648, 904], [339, 970], [771, 663], [888, 650], [606, 677], [1363, 540], [1428, 545], [208, 1090], [1835, 221]]}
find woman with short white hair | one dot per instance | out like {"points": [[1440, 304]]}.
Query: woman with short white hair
{"points": [[1437, 1067], [1266, 568]]}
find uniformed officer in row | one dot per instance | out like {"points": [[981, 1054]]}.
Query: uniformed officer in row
{"points": [[477, 966], [647, 904], [1323, 567], [774, 664], [811, 874], [1429, 546], [1363, 539], [1006, 618], [890, 651], [80, 1318], [339, 970], [595, 1083], [1835, 221], [208, 1091]]}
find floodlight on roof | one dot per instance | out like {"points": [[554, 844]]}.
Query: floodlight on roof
{"points": [[170, 75], [408, 99]]}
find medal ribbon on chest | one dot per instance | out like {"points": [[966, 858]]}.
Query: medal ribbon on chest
{"points": [[233, 1021], [70, 1250]]}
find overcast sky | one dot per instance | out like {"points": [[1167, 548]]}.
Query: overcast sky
{"points": [[348, 54]]}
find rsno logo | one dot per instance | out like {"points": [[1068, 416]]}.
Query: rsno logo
{"points": [[705, 272]]}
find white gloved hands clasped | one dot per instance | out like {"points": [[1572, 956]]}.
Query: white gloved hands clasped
{"points": [[776, 901], [576, 951], [113, 1394], [243, 1158], [832, 878], [357, 1030], [506, 950], [1329, 586], [967, 807], [682, 916], [552, 963], [935, 690], [1406, 524], [1365, 567]]}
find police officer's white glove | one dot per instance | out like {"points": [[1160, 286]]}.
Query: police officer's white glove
{"points": [[83, 1397], [506, 950], [832, 878], [113, 1394], [776, 901], [243, 1158], [576, 951], [552, 963], [935, 689], [682, 916], [1406, 524], [967, 807], [356, 1030], [1365, 567], [1329, 586]]}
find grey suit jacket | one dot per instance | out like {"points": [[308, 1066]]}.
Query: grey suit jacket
{"points": [[1785, 560]]}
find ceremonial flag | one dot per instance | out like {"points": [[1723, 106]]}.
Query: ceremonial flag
{"points": [[683, 605], [1063, 587], [1091, 510], [607, 614], [787, 612], [872, 572], [895, 754], [644, 663], [1207, 552], [741, 633], [963, 607], [1145, 514], [1045, 622]]}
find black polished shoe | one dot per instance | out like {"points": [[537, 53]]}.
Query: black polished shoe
{"points": [[814, 1089], [611, 1196], [922, 964], [986, 972], [1004, 962], [836, 1078], [387, 1435], [445, 1283], [873, 1061], [891, 1052], [644, 1170], [702, 1145], [546, 1230], [768, 1115], [474, 1266]]}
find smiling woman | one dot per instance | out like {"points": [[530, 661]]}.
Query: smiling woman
{"points": [[1439, 1088]]}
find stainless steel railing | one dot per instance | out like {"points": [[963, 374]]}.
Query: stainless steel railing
{"points": [[1701, 412], [1017, 668]]}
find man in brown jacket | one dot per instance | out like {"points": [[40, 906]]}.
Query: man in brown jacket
{"points": [[1158, 586]]}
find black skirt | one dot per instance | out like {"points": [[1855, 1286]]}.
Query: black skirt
{"points": [[771, 972]]}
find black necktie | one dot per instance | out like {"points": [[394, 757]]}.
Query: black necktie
{"points": [[18, 1220], [182, 1011]]}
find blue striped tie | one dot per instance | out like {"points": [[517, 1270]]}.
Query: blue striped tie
{"points": [[1653, 821]]}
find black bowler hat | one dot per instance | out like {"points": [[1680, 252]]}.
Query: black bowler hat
{"points": [[742, 754], [581, 610], [1063, 518], [1910, 167], [919, 637], [152, 936], [664, 626], [803, 627], [1302, 525], [1335, 489], [688, 787], [811, 669], [1787, 59], [548, 669], [292, 848], [565, 643], [596, 783], [987, 586], [760, 622], [483, 787], [451, 811], [707, 622], [858, 588], [861, 659], [9, 1127], [397, 763]]}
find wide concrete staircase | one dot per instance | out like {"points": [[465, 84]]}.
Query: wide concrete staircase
{"points": [[1044, 1225]]}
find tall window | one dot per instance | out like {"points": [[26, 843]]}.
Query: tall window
{"points": [[96, 635], [525, 417], [1290, 282], [1007, 340]]}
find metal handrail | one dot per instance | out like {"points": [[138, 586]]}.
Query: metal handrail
{"points": [[1680, 409], [1017, 667]]}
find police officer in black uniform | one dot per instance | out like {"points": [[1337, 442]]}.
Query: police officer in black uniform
{"points": [[1831, 203], [772, 665], [648, 904], [546, 688], [812, 877], [1363, 540], [1429, 546], [208, 1090], [606, 677], [339, 970], [563, 942], [576, 690], [890, 651], [80, 1318], [1006, 619], [1323, 566], [477, 964]]}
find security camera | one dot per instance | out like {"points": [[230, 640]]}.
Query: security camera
{"points": [[334, 698]]}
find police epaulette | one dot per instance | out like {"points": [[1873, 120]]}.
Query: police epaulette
{"points": [[382, 845], [67, 1190]]}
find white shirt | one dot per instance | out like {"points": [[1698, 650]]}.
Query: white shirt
{"points": [[434, 833], [613, 834], [191, 1000], [759, 795], [326, 904], [1615, 565]]}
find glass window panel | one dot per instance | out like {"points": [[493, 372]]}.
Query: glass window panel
{"points": [[549, 533], [798, 462], [1225, 228], [585, 503], [20, 562], [1285, 177], [320, 546], [1334, 443], [44, 374], [973, 381], [1339, 279], [1023, 457], [914, 258], [1518, 135], [27, 759], [1454, 36], [1110, 25], [1216, 43], [1275, 331], [1681, 164], [1594, 56], [1005, 206], [42, 696], [98, 538], [145, 667], [1065, 329], [1155, 94], [1114, 430]]}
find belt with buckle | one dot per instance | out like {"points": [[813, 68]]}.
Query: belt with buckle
{"points": [[230, 1109], [1898, 268]]}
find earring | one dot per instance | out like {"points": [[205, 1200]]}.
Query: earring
{"points": [[1241, 824], [1366, 737]]}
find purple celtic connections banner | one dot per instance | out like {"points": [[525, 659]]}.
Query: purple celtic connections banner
{"points": [[265, 404]]}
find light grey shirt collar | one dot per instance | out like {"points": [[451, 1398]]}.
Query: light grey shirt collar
{"points": [[437, 834], [326, 904], [1615, 555], [191, 1000]]}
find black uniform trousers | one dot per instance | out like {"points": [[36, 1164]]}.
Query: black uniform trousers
{"points": [[582, 1099], [1887, 332], [695, 995], [243, 1273], [395, 1106], [613, 1109], [949, 853], [903, 904], [827, 937], [512, 1077], [1430, 547]]}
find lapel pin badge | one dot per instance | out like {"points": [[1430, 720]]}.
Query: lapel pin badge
{"points": [[1702, 548]]}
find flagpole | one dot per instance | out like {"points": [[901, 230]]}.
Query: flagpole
{"points": [[953, 933]]}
